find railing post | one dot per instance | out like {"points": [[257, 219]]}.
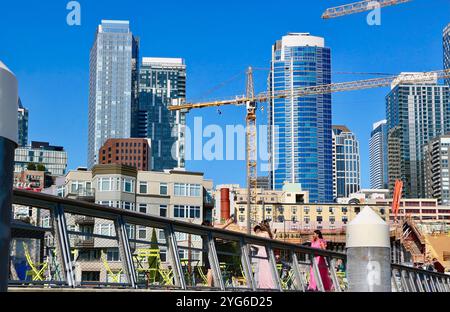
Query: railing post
{"points": [[8, 143], [125, 250], [247, 265], [273, 264], [368, 253], [425, 281], [214, 262], [418, 281], [298, 277], [64, 245], [175, 256], [331, 266]]}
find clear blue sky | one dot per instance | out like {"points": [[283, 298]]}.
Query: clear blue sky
{"points": [[218, 39]]}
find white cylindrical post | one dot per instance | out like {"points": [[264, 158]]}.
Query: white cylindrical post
{"points": [[8, 143], [368, 253]]}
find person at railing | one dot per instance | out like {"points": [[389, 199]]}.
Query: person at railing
{"points": [[438, 266], [209, 274], [263, 271], [318, 242]]}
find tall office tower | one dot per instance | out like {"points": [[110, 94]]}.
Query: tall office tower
{"points": [[113, 62], [23, 125], [446, 40], [162, 81], [437, 184], [300, 134], [346, 163], [379, 156], [417, 113]]}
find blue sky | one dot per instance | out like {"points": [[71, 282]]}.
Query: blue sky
{"points": [[218, 39]]}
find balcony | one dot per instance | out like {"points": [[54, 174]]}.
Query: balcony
{"points": [[83, 220], [83, 194], [84, 243]]}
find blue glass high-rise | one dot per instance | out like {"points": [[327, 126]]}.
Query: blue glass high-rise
{"points": [[300, 128]]}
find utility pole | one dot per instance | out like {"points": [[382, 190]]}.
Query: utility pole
{"points": [[8, 143]]}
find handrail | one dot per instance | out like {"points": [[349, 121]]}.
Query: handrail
{"points": [[300, 269]]}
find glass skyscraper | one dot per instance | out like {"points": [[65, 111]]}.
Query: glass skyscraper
{"points": [[416, 113], [346, 163], [112, 86], [161, 81], [446, 40], [300, 133], [23, 125], [379, 156]]}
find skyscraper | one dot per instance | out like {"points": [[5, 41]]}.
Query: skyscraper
{"points": [[23, 125], [300, 134], [416, 113], [161, 81], [437, 184], [112, 98], [446, 40], [379, 156], [346, 163]]}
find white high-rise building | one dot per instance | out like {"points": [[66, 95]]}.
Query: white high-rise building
{"points": [[378, 156], [346, 162], [446, 42], [112, 85]]}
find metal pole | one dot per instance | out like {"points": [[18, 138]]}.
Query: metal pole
{"points": [[8, 143]]}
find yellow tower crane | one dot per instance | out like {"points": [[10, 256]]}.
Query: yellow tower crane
{"points": [[251, 100], [359, 7]]}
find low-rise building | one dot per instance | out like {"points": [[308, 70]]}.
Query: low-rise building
{"points": [[53, 158]]}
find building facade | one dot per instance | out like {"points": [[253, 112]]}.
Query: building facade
{"points": [[112, 98], [416, 113], [346, 162], [54, 158], [131, 152], [378, 156], [161, 82], [437, 179], [446, 41], [23, 125], [300, 133]]}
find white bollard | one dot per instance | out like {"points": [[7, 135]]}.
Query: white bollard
{"points": [[8, 143], [368, 253]]}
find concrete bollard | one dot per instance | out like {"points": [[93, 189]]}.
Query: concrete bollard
{"points": [[368, 253], [8, 143]]}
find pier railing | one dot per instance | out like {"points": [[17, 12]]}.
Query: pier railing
{"points": [[63, 243]]}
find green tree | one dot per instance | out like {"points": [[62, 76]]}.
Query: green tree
{"points": [[153, 261], [40, 167], [31, 166]]}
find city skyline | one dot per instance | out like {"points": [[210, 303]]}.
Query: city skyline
{"points": [[343, 102]]}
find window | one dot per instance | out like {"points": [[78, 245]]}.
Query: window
{"points": [[142, 232], [130, 231], [88, 276], [178, 211], [319, 219], [105, 229], [163, 188], [332, 220], [143, 187], [345, 220], [306, 210], [113, 255], [143, 208], [306, 220], [187, 190], [194, 212], [163, 211], [127, 185], [105, 184], [331, 210]]}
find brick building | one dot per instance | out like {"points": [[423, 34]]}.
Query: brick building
{"points": [[131, 152]]}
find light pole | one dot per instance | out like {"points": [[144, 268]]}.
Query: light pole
{"points": [[8, 143]]}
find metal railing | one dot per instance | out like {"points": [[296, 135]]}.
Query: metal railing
{"points": [[126, 249]]}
